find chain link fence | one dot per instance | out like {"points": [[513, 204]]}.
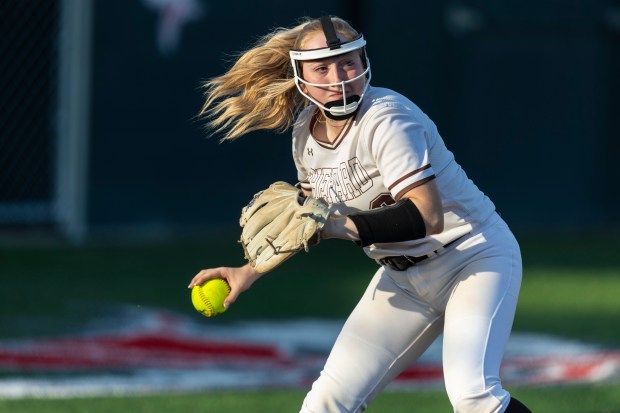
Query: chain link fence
{"points": [[28, 84]]}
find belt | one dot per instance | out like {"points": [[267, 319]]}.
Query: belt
{"points": [[403, 262]]}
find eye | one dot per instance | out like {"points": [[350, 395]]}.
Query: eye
{"points": [[351, 64], [321, 69]]}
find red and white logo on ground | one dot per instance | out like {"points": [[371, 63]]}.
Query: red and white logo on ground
{"points": [[135, 350]]}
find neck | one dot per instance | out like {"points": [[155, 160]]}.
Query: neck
{"points": [[327, 129]]}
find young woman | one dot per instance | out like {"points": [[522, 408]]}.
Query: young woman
{"points": [[448, 263]]}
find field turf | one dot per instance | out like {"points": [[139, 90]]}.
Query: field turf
{"points": [[571, 287]]}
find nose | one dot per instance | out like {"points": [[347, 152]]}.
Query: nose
{"points": [[337, 75]]}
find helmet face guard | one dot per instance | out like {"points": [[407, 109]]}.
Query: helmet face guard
{"points": [[342, 108]]}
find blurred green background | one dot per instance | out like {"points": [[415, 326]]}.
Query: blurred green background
{"points": [[570, 286]]}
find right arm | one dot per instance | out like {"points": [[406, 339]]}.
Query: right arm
{"points": [[239, 279]]}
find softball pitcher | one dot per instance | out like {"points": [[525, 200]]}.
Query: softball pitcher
{"points": [[448, 264]]}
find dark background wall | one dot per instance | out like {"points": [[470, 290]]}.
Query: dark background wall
{"points": [[525, 93], [152, 162]]}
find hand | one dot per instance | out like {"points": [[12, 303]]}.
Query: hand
{"points": [[239, 279], [339, 226]]}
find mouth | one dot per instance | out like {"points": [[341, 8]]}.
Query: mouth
{"points": [[339, 94]]}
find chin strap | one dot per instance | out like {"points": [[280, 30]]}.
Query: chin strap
{"points": [[347, 109]]}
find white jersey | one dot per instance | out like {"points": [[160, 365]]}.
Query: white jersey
{"points": [[387, 149]]}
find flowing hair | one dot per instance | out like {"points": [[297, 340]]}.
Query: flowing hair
{"points": [[258, 92]]}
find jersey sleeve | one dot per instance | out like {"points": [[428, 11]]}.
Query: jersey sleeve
{"points": [[400, 141]]}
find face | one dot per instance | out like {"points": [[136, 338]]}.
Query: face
{"points": [[331, 71]]}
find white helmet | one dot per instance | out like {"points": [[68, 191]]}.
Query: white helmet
{"points": [[346, 107]]}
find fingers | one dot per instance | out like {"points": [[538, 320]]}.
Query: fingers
{"points": [[239, 279], [205, 275], [213, 273], [231, 297]]}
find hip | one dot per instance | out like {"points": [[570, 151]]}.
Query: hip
{"points": [[490, 249]]}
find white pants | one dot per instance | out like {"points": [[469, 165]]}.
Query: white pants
{"points": [[468, 292]]}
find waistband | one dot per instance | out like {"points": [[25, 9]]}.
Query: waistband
{"points": [[403, 262]]}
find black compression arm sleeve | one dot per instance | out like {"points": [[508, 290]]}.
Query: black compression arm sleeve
{"points": [[401, 221]]}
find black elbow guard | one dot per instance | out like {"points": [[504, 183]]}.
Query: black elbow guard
{"points": [[399, 222]]}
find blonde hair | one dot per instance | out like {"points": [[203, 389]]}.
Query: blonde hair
{"points": [[259, 91]]}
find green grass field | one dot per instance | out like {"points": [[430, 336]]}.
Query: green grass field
{"points": [[582, 399], [571, 287]]}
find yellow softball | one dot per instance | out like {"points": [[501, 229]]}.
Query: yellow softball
{"points": [[208, 298]]}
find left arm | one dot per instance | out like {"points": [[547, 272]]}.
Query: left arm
{"points": [[425, 198]]}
